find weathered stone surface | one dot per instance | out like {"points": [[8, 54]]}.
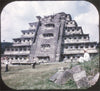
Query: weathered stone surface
{"points": [[94, 80], [64, 77], [81, 79], [76, 69], [82, 83], [54, 77], [79, 75], [63, 74], [59, 78], [45, 46], [57, 74]]}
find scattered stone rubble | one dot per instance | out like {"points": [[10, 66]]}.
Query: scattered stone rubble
{"points": [[77, 74]]}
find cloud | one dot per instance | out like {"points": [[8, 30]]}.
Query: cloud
{"points": [[16, 15], [89, 22]]}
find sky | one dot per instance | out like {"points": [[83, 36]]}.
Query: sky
{"points": [[17, 15]]}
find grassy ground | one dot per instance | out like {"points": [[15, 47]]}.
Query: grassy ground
{"points": [[24, 77]]}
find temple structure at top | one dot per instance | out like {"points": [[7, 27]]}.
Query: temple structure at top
{"points": [[52, 38]]}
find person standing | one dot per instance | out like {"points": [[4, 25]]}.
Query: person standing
{"points": [[6, 63], [33, 65]]}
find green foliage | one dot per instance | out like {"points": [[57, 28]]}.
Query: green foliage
{"points": [[71, 83], [91, 67]]}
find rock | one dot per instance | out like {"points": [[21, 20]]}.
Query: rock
{"points": [[76, 69], [59, 78], [54, 77], [57, 74], [79, 75], [75, 73], [94, 80], [81, 79], [82, 83], [64, 77]]}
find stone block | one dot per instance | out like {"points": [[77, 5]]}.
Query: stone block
{"points": [[54, 77], [82, 83], [79, 75], [76, 69], [59, 78], [64, 77], [81, 79]]}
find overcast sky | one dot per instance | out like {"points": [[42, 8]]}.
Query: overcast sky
{"points": [[15, 16]]}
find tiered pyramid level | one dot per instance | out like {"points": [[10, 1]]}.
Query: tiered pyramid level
{"points": [[53, 38]]}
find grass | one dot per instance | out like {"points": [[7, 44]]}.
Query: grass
{"points": [[91, 67], [24, 77]]}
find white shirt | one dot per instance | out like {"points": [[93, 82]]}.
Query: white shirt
{"points": [[6, 62], [86, 56]]}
